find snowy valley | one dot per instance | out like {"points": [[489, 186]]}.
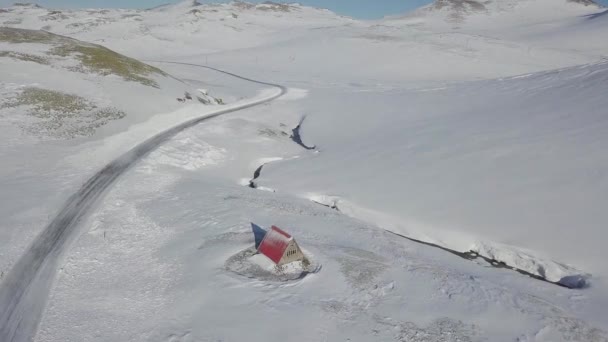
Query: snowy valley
{"points": [[445, 170]]}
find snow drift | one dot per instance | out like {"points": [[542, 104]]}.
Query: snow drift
{"points": [[516, 161]]}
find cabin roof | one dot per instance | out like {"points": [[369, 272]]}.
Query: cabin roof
{"points": [[275, 243]]}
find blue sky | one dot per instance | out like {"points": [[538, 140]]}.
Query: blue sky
{"points": [[366, 9]]}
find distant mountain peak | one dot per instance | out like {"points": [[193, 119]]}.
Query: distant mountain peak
{"points": [[458, 10], [275, 6], [180, 4], [459, 4], [586, 2], [26, 4], [269, 6], [189, 3]]}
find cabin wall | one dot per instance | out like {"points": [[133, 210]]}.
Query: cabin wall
{"points": [[292, 253]]}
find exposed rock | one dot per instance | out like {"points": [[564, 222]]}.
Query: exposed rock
{"points": [[458, 9], [274, 7], [26, 4], [586, 2]]}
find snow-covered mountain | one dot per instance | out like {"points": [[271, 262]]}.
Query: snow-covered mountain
{"points": [[500, 12], [446, 170], [84, 85], [185, 27]]}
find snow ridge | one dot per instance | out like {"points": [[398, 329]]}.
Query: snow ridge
{"points": [[460, 11]]}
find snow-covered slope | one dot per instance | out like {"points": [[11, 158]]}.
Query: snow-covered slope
{"points": [[295, 39], [71, 88], [505, 160], [586, 34], [59, 97], [472, 126], [493, 13], [176, 29], [151, 267]]}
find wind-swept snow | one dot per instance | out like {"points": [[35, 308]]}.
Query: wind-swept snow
{"points": [[53, 103], [512, 160], [484, 135], [172, 282], [23, 291], [494, 14]]}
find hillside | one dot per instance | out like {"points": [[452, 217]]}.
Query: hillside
{"points": [[492, 13], [585, 34], [183, 28], [499, 160], [444, 172], [294, 37], [64, 88], [60, 100]]}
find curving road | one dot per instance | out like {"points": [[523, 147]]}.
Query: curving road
{"points": [[24, 291]]}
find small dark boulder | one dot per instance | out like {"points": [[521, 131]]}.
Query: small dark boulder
{"points": [[575, 281]]}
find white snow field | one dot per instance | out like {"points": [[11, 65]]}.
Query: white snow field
{"points": [[395, 151], [54, 108]]}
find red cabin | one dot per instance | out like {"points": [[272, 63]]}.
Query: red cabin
{"points": [[280, 247]]}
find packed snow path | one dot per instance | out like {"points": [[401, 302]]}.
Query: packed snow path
{"points": [[24, 291]]}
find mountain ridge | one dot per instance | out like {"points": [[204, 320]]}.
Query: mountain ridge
{"points": [[463, 11]]}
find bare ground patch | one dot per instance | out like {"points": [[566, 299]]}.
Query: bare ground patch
{"points": [[59, 115]]}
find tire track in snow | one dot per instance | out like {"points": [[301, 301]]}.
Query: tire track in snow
{"points": [[24, 290]]}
